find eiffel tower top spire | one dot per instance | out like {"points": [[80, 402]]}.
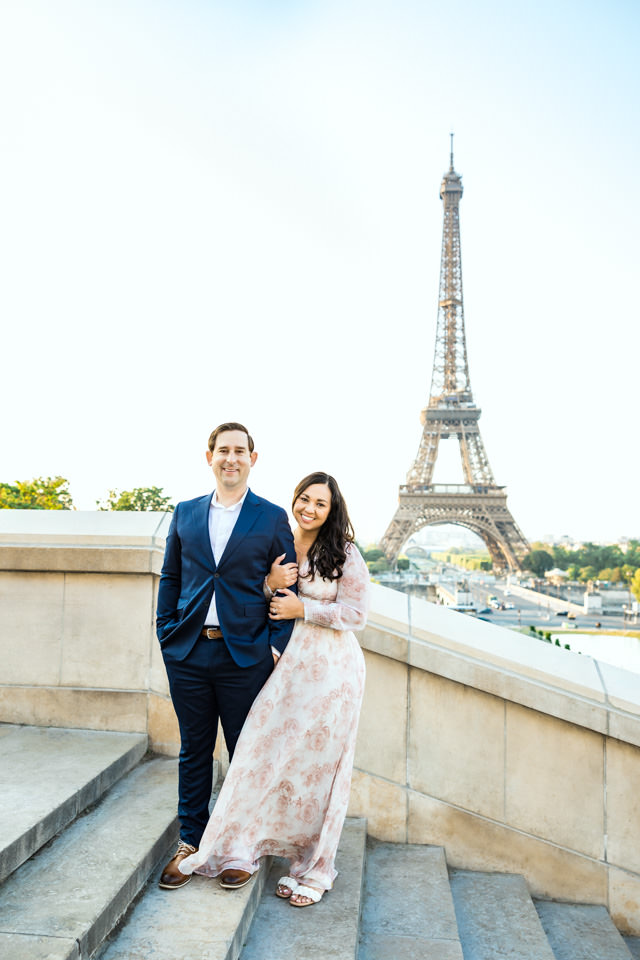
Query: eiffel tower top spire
{"points": [[450, 378]]}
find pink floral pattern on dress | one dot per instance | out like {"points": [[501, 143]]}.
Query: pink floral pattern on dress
{"points": [[287, 789]]}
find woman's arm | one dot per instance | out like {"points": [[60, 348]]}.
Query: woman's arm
{"points": [[349, 610]]}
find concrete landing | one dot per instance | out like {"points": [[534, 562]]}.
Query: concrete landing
{"points": [[497, 918], [49, 776], [408, 912], [324, 931], [76, 889], [579, 930]]}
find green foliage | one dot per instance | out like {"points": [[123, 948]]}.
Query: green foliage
{"points": [[620, 575], [469, 561], [538, 561], [140, 498], [41, 493], [403, 563], [587, 573], [378, 566], [542, 634], [635, 584], [373, 553], [595, 555]]}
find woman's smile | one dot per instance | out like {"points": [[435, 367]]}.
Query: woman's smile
{"points": [[313, 506]]}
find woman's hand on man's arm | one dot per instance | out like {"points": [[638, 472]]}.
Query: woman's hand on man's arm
{"points": [[281, 575]]}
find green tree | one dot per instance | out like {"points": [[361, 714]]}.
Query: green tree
{"points": [[605, 575], [403, 563], [538, 561], [140, 498], [378, 566], [587, 573], [41, 493], [635, 584], [373, 553]]}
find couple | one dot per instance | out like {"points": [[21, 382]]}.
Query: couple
{"points": [[255, 624]]}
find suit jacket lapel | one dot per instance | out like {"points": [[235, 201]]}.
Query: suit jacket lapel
{"points": [[251, 510], [201, 518]]}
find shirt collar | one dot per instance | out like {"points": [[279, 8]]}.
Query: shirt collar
{"points": [[235, 508]]}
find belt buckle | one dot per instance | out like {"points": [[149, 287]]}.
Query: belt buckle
{"points": [[211, 632]]}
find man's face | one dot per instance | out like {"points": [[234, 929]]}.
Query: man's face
{"points": [[231, 461]]}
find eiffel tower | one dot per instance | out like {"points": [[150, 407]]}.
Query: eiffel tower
{"points": [[478, 504]]}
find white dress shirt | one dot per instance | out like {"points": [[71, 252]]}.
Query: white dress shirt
{"points": [[222, 520]]}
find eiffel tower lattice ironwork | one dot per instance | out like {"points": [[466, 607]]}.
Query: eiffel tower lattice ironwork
{"points": [[478, 504]]}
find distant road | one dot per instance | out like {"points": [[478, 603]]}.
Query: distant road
{"points": [[526, 612]]}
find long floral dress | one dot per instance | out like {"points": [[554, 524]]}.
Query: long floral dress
{"points": [[287, 789]]}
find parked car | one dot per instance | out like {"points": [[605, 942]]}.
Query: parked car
{"points": [[562, 613]]}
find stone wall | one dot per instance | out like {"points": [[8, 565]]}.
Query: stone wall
{"points": [[77, 604], [512, 754]]}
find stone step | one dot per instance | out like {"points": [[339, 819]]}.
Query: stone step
{"points": [[49, 776], [408, 911], [199, 920], [581, 931], [633, 946], [64, 901], [497, 918], [327, 930]]}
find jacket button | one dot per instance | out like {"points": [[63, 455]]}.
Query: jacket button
{"points": [[216, 575]]}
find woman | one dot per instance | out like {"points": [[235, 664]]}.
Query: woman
{"points": [[287, 789]]}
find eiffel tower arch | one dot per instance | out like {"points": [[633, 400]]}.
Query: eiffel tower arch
{"points": [[478, 504]]}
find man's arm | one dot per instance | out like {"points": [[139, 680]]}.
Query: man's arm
{"points": [[170, 578], [281, 630]]}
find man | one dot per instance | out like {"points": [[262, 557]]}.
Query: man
{"points": [[217, 641]]}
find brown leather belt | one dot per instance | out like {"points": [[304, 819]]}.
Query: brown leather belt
{"points": [[211, 633]]}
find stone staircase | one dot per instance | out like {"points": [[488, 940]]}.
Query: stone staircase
{"points": [[87, 819]]}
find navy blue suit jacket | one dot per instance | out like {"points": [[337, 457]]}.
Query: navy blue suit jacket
{"points": [[190, 575]]}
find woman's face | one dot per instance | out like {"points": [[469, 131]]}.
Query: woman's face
{"points": [[312, 507]]}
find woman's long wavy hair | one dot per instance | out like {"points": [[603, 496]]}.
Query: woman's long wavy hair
{"points": [[327, 554]]}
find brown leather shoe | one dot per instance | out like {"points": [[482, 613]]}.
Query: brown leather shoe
{"points": [[234, 879], [171, 877]]}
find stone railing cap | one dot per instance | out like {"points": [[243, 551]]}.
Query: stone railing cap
{"points": [[82, 528]]}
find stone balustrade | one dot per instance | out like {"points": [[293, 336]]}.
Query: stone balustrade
{"points": [[513, 754]]}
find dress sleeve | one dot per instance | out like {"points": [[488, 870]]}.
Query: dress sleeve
{"points": [[349, 610]]}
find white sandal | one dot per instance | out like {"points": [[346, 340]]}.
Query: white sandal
{"points": [[289, 883], [301, 891]]}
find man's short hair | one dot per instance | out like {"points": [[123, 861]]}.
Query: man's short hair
{"points": [[229, 426]]}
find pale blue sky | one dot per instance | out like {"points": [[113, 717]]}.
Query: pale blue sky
{"points": [[231, 210]]}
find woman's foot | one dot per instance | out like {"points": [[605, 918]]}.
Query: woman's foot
{"points": [[286, 886], [304, 896]]}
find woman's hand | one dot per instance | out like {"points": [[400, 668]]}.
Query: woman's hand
{"points": [[286, 606], [281, 574]]}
